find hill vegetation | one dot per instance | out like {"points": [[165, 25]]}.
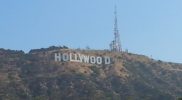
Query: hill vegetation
{"points": [[36, 76]]}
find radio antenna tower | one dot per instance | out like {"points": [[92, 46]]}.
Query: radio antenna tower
{"points": [[116, 43]]}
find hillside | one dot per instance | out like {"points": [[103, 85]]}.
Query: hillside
{"points": [[37, 76]]}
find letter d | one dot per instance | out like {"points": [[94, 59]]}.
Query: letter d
{"points": [[107, 60]]}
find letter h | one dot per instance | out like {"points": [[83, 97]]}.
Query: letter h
{"points": [[57, 57]]}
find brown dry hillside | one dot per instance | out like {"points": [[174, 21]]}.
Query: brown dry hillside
{"points": [[36, 76]]}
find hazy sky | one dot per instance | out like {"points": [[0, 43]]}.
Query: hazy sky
{"points": [[148, 27]]}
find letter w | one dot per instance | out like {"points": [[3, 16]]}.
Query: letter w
{"points": [[86, 59]]}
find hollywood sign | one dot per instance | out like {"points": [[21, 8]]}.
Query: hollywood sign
{"points": [[77, 57]]}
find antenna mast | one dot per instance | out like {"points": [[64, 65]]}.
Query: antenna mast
{"points": [[116, 43]]}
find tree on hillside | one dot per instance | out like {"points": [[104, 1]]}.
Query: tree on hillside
{"points": [[180, 98]]}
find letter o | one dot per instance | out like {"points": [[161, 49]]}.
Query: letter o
{"points": [[99, 60], [65, 57], [92, 59]]}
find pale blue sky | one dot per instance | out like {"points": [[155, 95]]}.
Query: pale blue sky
{"points": [[148, 27]]}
